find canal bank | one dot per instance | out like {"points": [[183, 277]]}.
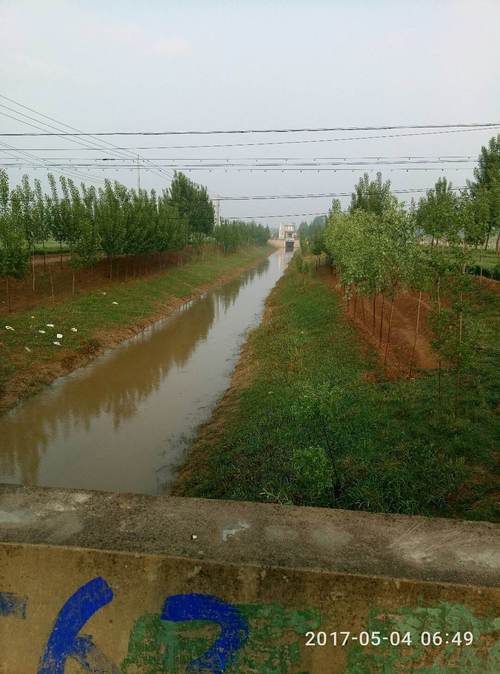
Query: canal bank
{"points": [[41, 344], [310, 419], [123, 422]]}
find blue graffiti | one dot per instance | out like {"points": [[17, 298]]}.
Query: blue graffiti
{"points": [[13, 604], [234, 628], [64, 641]]}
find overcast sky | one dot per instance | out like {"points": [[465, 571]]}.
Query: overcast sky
{"points": [[168, 65]]}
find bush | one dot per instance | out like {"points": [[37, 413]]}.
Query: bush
{"points": [[487, 272]]}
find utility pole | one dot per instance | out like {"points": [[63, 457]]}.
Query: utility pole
{"points": [[138, 175]]}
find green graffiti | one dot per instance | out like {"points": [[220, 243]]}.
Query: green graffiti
{"points": [[276, 633], [277, 637], [482, 657]]}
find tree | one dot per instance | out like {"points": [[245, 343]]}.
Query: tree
{"points": [[437, 213], [372, 196], [110, 220], [193, 203], [14, 251], [487, 180]]}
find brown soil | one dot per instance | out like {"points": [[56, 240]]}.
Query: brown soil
{"points": [[27, 383], [54, 277], [405, 356]]}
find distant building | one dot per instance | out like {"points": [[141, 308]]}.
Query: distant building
{"points": [[287, 233]]}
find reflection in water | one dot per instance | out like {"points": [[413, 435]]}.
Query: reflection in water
{"points": [[122, 423]]}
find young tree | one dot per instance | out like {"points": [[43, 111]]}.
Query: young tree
{"points": [[437, 213], [487, 179], [373, 196], [193, 203], [14, 251]]}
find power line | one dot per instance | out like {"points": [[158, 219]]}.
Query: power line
{"points": [[388, 127], [289, 142], [76, 132], [44, 166], [250, 169], [289, 160], [262, 217], [322, 195]]}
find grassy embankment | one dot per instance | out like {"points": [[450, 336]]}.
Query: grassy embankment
{"points": [[29, 359], [310, 419]]}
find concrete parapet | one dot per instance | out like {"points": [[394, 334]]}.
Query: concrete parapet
{"points": [[137, 584]]}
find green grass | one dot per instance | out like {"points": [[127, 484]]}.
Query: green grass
{"points": [[310, 429], [49, 247], [489, 258], [96, 311]]}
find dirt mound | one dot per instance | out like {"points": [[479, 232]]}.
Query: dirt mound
{"points": [[401, 353]]}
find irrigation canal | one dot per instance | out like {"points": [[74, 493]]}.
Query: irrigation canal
{"points": [[124, 422]]}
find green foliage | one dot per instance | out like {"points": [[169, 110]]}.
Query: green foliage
{"points": [[113, 220], [233, 233], [437, 213], [193, 203], [486, 185], [312, 475], [312, 236], [372, 196], [308, 418], [14, 252]]}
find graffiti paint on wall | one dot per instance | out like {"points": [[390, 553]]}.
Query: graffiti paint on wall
{"points": [[12, 604], [200, 633], [443, 622]]}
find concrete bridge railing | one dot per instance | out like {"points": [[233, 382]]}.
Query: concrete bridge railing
{"points": [[109, 583]]}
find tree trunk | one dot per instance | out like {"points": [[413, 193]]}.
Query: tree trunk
{"points": [[373, 319], [110, 267], [363, 308], [416, 333], [33, 268], [389, 333], [457, 389], [51, 283], [73, 284], [7, 288], [439, 385], [381, 321], [355, 301]]}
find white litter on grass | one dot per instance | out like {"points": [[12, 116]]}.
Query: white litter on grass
{"points": [[42, 332], [74, 330], [50, 325], [57, 343], [32, 317], [59, 336], [114, 302], [28, 349], [9, 327]]}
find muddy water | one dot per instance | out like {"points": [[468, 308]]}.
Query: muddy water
{"points": [[124, 422]]}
